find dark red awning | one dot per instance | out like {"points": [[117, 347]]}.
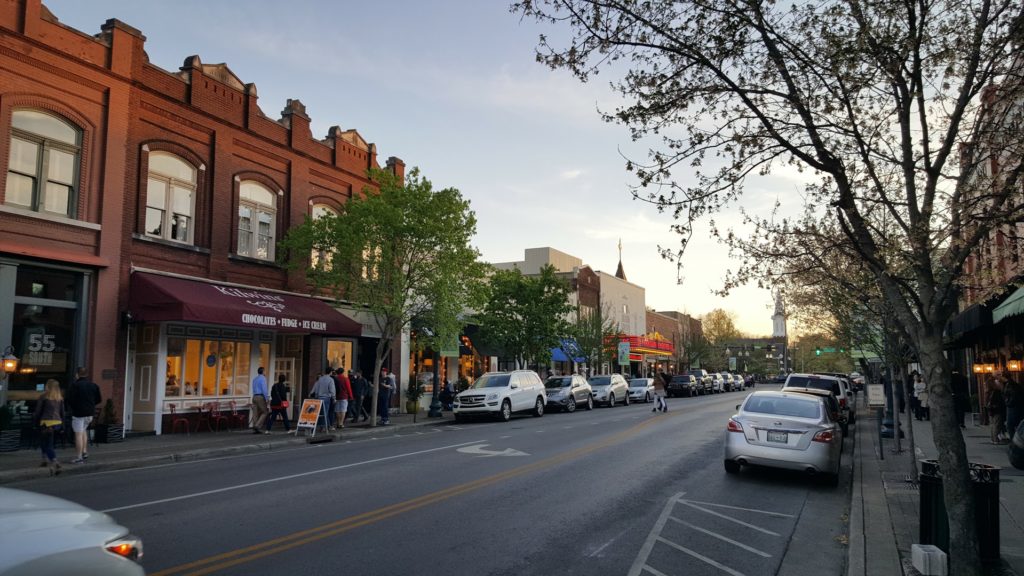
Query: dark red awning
{"points": [[156, 298]]}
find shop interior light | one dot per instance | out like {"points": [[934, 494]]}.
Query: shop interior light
{"points": [[1013, 365]]}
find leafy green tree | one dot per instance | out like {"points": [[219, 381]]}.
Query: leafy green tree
{"points": [[595, 332], [526, 315], [696, 350], [890, 109], [401, 252]]}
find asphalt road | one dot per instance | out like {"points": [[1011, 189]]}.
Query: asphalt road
{"points": [[618, 491]]}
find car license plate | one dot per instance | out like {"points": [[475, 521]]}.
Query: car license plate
{"points": [[781, 437]]}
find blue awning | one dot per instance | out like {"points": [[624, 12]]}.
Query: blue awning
{"points": [[571, 349], [558, 355]]}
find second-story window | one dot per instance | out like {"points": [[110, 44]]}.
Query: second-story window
{"points": [[170, 198], [42, 168], [257, 217], [321, 257]]}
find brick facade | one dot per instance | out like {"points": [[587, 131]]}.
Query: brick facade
{"points": [[127, 109]]}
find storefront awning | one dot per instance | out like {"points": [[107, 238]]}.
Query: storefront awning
{"points": [[156, 298], [1013, 306]]}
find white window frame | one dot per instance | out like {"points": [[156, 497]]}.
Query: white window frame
{"points": [[40, 177], [168, 215], [248, 240]]}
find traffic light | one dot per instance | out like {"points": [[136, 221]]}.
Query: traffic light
{"points": [[841, 349], [817, 351]]}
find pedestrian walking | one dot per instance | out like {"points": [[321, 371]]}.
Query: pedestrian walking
{"points": [[260, 395], [279, 403], [49, 419], [447, 395], [83, 398], [916, 400], [660, 391], [324, 391], [387, 386], [996, 406], [1013, 396], [343, 388], [360, 391]]}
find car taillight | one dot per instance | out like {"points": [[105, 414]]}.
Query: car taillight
{"points": [[734, 426], [128, 547], [824, 436], [842, 402]]}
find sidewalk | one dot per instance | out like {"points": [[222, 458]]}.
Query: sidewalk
{"points": [[885, 504], [151, 450]]}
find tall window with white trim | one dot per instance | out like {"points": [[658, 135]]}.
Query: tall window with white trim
{"points": [[170, 198], [43, 164], [321, 257], [257, 215]]}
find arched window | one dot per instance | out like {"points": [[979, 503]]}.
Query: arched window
{"points": [[257, 217], [170, 198], [42, 168], [321, 257]]}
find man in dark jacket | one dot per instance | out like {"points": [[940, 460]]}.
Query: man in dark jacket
{"points": [[83, 397]]}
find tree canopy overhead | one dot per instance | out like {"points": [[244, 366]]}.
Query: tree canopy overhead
{"points": [[903, 116]]}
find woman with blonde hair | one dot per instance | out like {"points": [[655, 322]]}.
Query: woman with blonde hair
{"points": [[49, 418]]}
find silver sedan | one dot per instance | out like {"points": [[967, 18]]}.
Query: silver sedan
{"points": [[49, 535], [784, 430]]}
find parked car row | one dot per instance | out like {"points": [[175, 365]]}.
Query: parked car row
{"points": [[698, 382]]}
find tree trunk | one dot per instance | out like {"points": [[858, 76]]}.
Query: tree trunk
{"points": [[957, 490]]}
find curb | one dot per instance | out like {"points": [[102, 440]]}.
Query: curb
{"points": [[185, 454]]}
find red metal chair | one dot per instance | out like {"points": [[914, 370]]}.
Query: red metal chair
{"points": [[216, 418], [204, 417], [178, 421], [237, 418]]}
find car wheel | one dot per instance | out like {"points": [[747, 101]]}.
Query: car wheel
{"points": [[590, 402], [506, 411], [460, 418], [833, 478], [611, 400], [538, 407], [625, 400], [732, 466], [570, 406]]}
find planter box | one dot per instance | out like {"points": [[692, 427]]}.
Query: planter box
{"points": [[108, 433]]}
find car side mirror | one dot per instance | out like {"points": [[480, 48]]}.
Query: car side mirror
{"points": [[514, 386], [738, 406]]}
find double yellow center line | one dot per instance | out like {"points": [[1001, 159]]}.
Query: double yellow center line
{"points": [[303, 537]]}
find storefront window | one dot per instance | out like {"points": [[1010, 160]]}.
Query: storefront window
{"points": [[208, 367], [339, 354]]}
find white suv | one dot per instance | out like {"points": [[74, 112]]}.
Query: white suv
{"points": [[502, 393]]}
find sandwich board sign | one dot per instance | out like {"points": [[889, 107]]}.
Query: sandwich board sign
{"points": [[309, 416]]}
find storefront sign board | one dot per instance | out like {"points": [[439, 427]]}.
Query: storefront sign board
{"points": [[876, 395], [310, 413]]}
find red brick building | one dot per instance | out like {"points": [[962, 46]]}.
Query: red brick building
{"points": [[139, 213]]}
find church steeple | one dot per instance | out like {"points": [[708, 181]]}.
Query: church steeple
{"points": [[620, 273]]}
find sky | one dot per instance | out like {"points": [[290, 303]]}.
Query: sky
{"points": [[453, 87]]}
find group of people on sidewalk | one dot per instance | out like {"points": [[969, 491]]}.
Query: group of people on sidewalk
{"points": [[344, 396], [1005, 404], [82, 399]]}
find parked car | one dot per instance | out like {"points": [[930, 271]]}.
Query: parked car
{"points": [[822, 382], [787, 430], [847, 387], [641, 389], [730, 382], [610, 389], [568, 392], [717, 383], [857, 380], [683, 385], [49, 535], [703, 380], [501, 394]]}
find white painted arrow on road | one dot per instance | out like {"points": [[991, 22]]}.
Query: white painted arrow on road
{"points": [[478, 450]]}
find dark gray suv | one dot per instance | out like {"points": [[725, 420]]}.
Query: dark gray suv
{"points": [[569, 392]]}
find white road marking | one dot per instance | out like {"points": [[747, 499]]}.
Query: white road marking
{"points": [[769, 513], [722, 538], [729, 518], [606, 544], [281, 478], [478, 450], [654, 571], [645, 550], [701, 557]]}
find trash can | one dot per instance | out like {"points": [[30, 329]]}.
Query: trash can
{"points": [[934, 524]]}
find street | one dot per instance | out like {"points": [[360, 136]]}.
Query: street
{"points": [[613, 491]]}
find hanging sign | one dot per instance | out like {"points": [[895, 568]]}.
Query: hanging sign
{"points": [[623, 353]]}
